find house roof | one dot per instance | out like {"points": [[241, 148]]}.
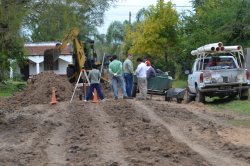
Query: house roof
{"points": [[39, 48]]}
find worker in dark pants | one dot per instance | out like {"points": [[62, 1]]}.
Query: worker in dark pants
{"points": [[94, 78], [128, 71]]}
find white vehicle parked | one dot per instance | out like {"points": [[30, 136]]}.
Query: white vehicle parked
{"points": [[218, 71]]}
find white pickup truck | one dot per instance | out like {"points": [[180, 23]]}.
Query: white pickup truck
{"points": [[218, 71]]}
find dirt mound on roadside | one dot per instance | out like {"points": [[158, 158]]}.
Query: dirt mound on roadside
{"points": [[39, 91]]}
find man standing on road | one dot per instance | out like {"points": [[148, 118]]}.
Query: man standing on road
{"points": [[128, 70], [141, 73], [115, 70], [94, 78]]}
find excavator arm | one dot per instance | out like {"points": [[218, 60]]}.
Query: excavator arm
{"points": [[79, 57]]}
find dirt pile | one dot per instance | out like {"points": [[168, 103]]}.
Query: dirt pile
{"points": [[39, 91]]}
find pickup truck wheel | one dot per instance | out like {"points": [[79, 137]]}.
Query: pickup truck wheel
{"points": [[200, 97], [232, 96], [244, 94], [167, 98], [179, 100]]}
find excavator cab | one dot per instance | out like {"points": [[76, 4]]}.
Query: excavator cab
{"points": [[81, 57]]}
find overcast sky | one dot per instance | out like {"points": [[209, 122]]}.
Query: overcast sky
{"points": [[123, 7]]}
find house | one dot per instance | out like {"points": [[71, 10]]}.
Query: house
{"points": [[37, 61]]}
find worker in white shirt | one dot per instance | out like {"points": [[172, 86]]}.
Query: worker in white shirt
{"points": [[141, 73]]}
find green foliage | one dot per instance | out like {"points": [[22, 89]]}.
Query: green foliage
{"points": [[111, 42], [167, 38], [115, 33], [49, 20], [7, 90], [156, 36], [179, 83], [219, 20], [140, 16], [213, 21], [11, 15]]}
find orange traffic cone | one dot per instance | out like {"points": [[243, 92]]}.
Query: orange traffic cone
{"points": [[53, 97], [95, 97]]}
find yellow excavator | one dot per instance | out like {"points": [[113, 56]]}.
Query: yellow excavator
{"points": [[80, 59]]}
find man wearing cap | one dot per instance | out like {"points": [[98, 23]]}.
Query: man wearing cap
{"points": [[151, 71], [128, 70]]}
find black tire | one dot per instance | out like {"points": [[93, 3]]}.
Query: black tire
{"points": [[167, 98], [232, 96], [200, 97], [179, 100], [243, 95], [134, 90]]}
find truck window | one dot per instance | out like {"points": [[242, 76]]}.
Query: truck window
{"points": [[215, 63], [200, 65]]}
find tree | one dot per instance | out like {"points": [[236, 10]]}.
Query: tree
{"points": [[46, 20], [219, 20], [115, 33], [140, 14], [11, 15], [156, 36], [115, 36], [50, 19], [213, 21]]}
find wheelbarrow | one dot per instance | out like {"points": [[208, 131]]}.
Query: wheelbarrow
{"points": [[177, 93], [156, 85]]}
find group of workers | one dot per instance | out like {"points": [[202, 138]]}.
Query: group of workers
{"points": [[122, 74]]}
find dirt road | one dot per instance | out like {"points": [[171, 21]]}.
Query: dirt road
{"points": [[123, 132], [114, 132]]}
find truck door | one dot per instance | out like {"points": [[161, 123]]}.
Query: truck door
{"points": [[191, 77]]}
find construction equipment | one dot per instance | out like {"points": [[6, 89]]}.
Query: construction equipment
{"points": [[81, 60], [80, 56]]}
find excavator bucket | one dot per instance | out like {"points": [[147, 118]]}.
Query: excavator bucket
{"points": [[50, 57]]}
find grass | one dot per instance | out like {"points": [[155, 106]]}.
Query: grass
{"points": [[179, 83], [7, 90], [234, 105]]}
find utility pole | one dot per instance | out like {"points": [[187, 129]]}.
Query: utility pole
{"points": [[129, 20]]}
